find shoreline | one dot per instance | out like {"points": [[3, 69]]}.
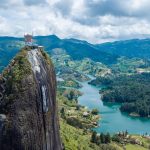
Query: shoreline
{"points": [[87, 100]]}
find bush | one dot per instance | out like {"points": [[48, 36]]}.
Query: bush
{"points": [[116, 138], [74, 122], [95, 111]]}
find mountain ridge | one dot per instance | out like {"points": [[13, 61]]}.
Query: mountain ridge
{"points": [[107, 53], [129, 48]]}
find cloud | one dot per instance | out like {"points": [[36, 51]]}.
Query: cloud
{"points": [[7, 4], [130, 8], [95, 20], [64, 7], [34, 2]]}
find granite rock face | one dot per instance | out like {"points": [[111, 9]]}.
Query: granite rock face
{"points": [[28, 110]]}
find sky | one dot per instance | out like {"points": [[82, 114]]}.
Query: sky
{"points": [[95, 21]]}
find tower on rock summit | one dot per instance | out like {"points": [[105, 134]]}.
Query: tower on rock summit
{"points": [[28, 39]]}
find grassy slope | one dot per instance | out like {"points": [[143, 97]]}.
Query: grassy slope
{"points": [[134, 147], [79, 139], [74, 139]]}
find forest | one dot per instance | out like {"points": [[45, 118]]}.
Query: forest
{"points": [[133, 92]]}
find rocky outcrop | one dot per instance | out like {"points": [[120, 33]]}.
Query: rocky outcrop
{"points": [[29, 119]]}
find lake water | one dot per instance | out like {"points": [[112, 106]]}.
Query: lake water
{"points": [[112, 120]]}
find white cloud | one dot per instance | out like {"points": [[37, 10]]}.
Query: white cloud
{"points": [[94, 21]]}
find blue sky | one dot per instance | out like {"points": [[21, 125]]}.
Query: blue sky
{"points": [[93, 20]]}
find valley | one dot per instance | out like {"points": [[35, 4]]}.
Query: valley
{"points": [[121, 121], [74, 75], [84, 80]]}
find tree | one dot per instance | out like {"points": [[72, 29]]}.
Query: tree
{"points": [[107, 138], [116, 138], [98, 140], [71, 95], [102, 138], [62, 111], [126, 133], [94, 137]]}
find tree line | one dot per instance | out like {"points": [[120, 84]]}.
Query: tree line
{"points": [[100, 139], [133, 92]]}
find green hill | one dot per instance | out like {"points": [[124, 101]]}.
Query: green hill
{"points": [[130, 48]]}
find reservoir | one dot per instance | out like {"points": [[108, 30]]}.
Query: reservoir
{"points": [[112, 120]]}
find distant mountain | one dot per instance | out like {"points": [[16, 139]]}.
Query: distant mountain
{"points": [[76, 49], [9, 46], [130, 48], [106, 53]]}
